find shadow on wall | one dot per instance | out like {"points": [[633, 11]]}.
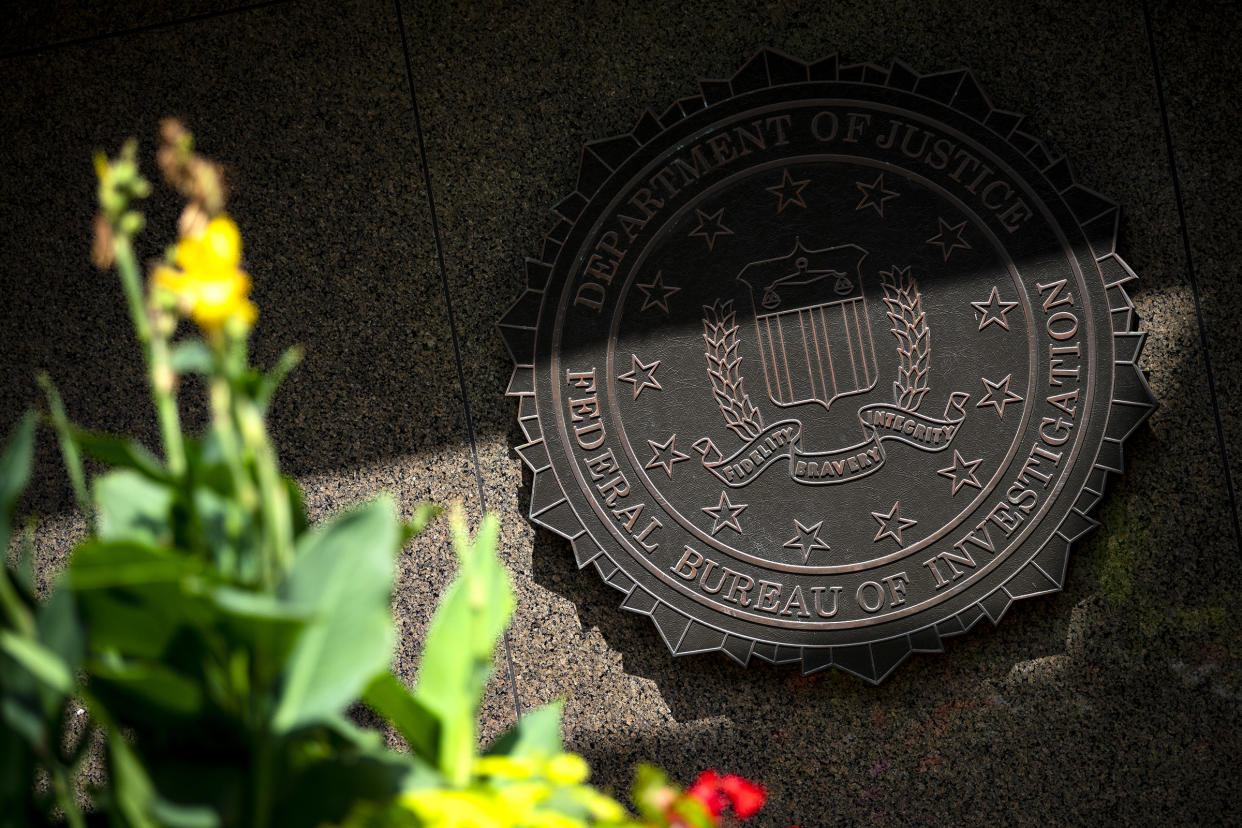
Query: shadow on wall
{"points": [[706, 686], [1114, 624], [1091, 690]]}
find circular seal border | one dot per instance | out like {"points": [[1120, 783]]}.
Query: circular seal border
{"points": [[1131, 403]]}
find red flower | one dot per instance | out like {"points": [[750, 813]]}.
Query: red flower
{"points": [[706, 789], [715, 792], [746, 796]]}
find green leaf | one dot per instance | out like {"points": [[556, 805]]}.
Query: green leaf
{"points": [[16, 609], [649, 783], [191, 356], [157, 689], [463, 634], [693, 813], [424, 513], [206, 462], [20, 711], [132, 793], [69, 450], [102, 564], [297, 507], [225, 531], [258, 606], [326, 791], [537, 733], [137, 621], [17, 763], [121, 453], [420, 728], [267, 626], [61, 632], [342, 572], [24, 572], [172, 815], [132, 507], [130, 597], [45, 665], [272, 379], [59, 627], [15, 465]]}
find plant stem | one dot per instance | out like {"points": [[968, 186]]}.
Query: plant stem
{"points": [[277, 523], [127, 269], [226, 433], [276, 514], [68, 450], [65, 799], [458, 746], [18, 614], [155, 349], [162, 379], [261, 816]]}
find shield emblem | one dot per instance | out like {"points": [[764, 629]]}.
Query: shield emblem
{"points": [[811, 323]]}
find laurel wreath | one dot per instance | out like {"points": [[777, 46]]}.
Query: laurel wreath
{"points": [[905, 309], [720, 336]]}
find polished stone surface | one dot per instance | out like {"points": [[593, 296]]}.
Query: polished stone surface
{"points": [[1116, 700], [33, 27], [310, 108], [1196, 43]]}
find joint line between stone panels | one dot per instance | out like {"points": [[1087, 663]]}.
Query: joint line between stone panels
{"points": [[1190, 272], [146, 27], [448, 304]]}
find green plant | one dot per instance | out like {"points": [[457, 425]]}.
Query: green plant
{"points": [[217, 640], [40, 649]]}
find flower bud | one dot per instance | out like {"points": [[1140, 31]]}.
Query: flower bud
{"points": [[193, 221], [131, 223], [101, 247], [164, 378]]}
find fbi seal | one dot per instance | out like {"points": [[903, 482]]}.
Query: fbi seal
{"points": [[825, 364]]}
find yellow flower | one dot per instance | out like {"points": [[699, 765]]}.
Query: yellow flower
{"points": [[219, 297], [210, 287], [521, 798], [504, 767], [551, 819], [168, 279], [567, 769], [440, 808], [219, 246], [598, 805]]}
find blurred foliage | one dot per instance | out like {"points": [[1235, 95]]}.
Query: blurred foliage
{"points": [[217, 640]]}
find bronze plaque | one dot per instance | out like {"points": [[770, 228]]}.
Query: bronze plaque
{"points": [[825, 364]]}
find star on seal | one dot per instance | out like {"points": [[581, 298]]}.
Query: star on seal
{"points": [[666, 454], [806, 539], [710, 226], [890, 520], [656, 293], [870, 199], [998, 395], [788, 192], [962, 472], [993, 310], [642, 375], [725, 514], [948, 245]]}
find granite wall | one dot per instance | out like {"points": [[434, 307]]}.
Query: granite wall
{"points": [[394, 163]]}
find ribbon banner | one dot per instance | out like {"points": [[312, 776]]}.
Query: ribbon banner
{"points": [[879, 421]]}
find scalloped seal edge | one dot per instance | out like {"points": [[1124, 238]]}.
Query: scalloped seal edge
{"points": [[1132, 403]]}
